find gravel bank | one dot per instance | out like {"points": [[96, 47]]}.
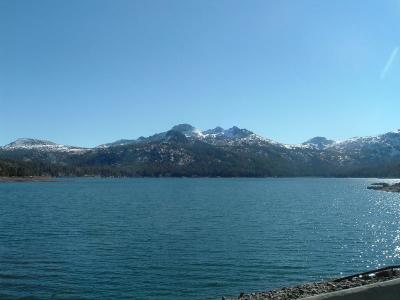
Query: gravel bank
{"points": [[313, 289]]}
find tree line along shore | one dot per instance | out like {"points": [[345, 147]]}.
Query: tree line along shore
{"points": [[13, 168]]}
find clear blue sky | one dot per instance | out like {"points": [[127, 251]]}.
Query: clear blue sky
{"points": [[90, 72]]}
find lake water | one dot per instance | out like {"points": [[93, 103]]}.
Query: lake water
{"points": [[189, 238]]}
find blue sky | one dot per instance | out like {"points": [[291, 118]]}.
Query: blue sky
{"points": [[89, 72]]}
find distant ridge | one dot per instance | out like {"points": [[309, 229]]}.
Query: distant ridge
{"points": [[43, 145], [185, 150]]}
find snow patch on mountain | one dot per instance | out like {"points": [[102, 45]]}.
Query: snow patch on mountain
{"points": [[215, 136], [121, 142], [375, 147], [188, 130], [41, 145], [390, 139]]}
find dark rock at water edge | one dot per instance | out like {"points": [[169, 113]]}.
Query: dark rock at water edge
{"points": [[386, 187], [317, 288]]}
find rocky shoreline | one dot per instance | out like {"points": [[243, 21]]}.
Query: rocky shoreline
{"points": [[317, 288], [386, 187]]}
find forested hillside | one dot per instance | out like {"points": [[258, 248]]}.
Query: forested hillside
{"points": [[187, 151]]}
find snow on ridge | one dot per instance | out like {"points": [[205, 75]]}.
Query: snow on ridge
{"points": [[297, 146], [41, 145], [389, 140], [219, 135], [196, 132]]}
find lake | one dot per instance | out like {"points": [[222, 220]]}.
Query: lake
{"points": [[189, 238]]}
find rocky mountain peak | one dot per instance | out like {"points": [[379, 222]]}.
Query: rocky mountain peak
{"points": [[319, 142], [236, 132], [175, 136], [187, 129], [183, 127], [216, 130]]}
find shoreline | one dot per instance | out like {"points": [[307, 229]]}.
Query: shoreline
{"points": [[385, 187], [325, 287], [28, 179], [373, 186]]}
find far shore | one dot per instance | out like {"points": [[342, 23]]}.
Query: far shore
{"points": [[383, 186], [28, 179]]}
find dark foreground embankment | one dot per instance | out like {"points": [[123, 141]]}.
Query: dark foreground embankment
{"points": [[365, 286]]}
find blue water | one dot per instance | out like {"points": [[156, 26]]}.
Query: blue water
{"points": [[188, 238]]}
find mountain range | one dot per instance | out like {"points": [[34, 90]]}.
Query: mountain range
{"points": [[187, 151]]}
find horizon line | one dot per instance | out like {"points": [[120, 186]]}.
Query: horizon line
{"points": [[201, 130]]}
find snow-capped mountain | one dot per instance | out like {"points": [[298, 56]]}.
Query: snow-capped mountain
{"points": [[232, 136], [387, 140], [187, 150], [377, 149], [40, 145], [216, 136]]}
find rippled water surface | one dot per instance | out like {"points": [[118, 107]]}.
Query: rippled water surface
{"points": [[188, 238]]}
